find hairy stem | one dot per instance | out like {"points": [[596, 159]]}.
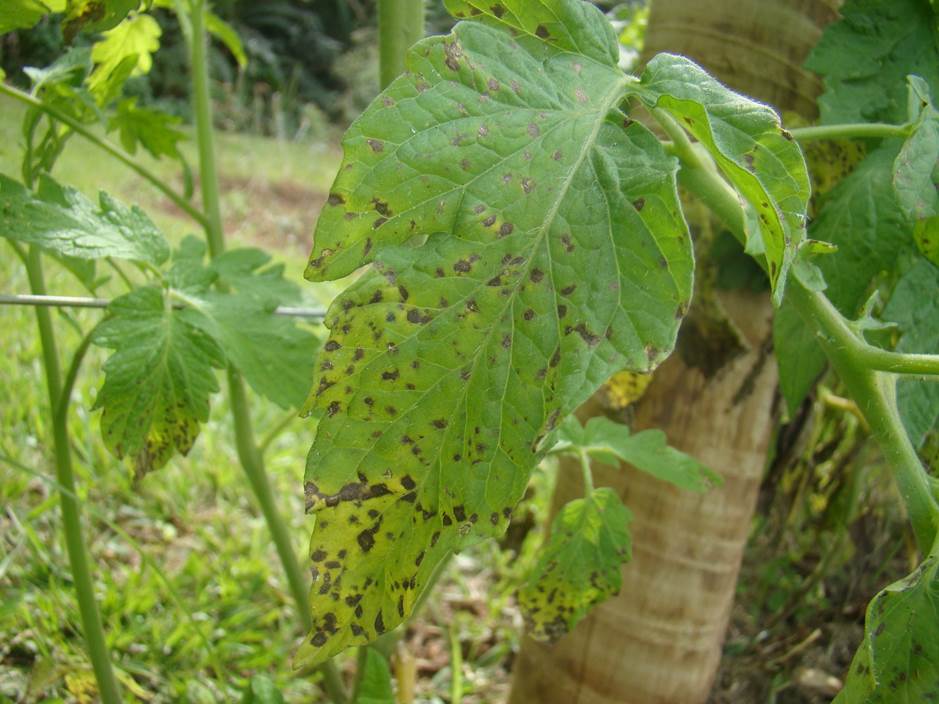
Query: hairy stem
{"points": [[872, 130], [71, 511], [248, 453], [400, 24], [857, 363], [106, 146]]}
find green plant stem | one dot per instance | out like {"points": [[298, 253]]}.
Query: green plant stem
{"points": [[858, 364], [106, 146], [875, 394], [400, 24], [872, 130], [71, 513], [248, 452], [588, 472]]}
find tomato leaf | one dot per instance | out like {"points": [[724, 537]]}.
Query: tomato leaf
{"points": [[157, 382], [375, 681], [274, 353], [62, 220], [262, 691], [647, 451], [23, 14], [916, 170], [93, 16], [865, 56], [579, 566], [898, 660], [577, 27], [749, 146], [125, 51], [526, 247], [914, 307], [152, 129]]}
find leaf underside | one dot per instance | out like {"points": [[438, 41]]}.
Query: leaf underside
{"points": [[579, 566], [526, 246]]}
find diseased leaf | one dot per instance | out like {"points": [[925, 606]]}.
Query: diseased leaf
{"points": [[914, 307], [861, 216], [647, 451], [62, 220], [527, 246], [577, 27], [579, 566], [375, 681], [898, 660], [865, 57], [274, 353], [158, 380], [749, 146], [23, 14], [124, 51], [93, 16], [152, 129]]}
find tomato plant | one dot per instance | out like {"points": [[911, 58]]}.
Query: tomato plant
{"points": [[510, 207]]}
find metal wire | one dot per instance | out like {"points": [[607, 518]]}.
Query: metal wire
{"points": [[317, 314]]}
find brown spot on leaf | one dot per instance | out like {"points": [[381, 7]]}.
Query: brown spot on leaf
{"points": [[542, 31], [639, 204], [335, 199], [536, 275], [377, 145]]}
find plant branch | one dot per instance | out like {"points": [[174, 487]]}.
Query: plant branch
{"points": [[859, 365], [400, 24], [871, 130], [106, 146], [71, 511]]}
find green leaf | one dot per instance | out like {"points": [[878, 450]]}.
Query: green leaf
{"points": [[274, 353], [226, 34], [158, 380], [93, 16], [527, 246], [579, 566], [62, 220], [914, 307], [154, 130], [262, 691], [23, 14], [864, 59], [916, 169], [800, 358], [375, 681], [647, 451], [862, 217], [569, 25], [124, 51], [749, 146], [898, 660]]}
